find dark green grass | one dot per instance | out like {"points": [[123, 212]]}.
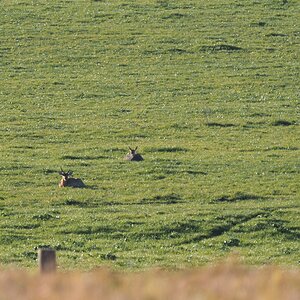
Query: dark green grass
{"points": [[208, 91]]}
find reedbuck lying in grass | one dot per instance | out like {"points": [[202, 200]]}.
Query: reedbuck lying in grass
{"points": [[71, 182], [133, 155]]}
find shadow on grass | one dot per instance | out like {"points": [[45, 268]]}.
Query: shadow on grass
{"points": [[283, 123], [167, 149], [237, 197], [71, 202], [162, 199], [74, 157], [214, 124], [220, 229], [221, 47]]}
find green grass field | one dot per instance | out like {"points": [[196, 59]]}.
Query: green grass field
{"points": [[208, 91]]}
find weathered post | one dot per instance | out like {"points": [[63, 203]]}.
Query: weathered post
{"points": [[47, 260]]}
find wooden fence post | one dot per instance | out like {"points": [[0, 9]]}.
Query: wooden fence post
{"points": [[47, 260]]}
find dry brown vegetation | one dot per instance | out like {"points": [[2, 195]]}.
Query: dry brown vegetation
{"points": [[226, 281]]}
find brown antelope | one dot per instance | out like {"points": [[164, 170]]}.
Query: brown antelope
{"points": [[67, 180], [133, 155]]}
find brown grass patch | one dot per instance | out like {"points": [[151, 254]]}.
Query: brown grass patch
{"points": [[226, 281]]}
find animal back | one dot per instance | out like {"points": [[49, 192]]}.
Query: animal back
{"points": [[136, 157], [75, 182]]}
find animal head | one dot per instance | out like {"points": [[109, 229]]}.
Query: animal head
{"points": [[65, 175], [133, 155], [132, 151]]}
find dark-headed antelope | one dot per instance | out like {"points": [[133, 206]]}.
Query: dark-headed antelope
{"points": [[67, 180], [133, 155]]}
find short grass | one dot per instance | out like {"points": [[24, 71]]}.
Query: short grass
{"points": [[208, 90]]}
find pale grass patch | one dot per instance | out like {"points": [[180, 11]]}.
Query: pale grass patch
{"points": [[225, 281]]}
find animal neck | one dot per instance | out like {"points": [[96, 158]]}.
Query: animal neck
{"points": [[64, 182]]}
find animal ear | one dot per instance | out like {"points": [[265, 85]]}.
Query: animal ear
{"points": [[136, 148], [130, 149]]}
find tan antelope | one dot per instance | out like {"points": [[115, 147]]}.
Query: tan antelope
{"points": [[67, 180], [133, 155]]}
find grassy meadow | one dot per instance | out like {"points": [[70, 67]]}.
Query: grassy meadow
{"points": [[208, 91]]}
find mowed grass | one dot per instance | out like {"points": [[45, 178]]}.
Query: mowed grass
{"points": [[208, 91]]}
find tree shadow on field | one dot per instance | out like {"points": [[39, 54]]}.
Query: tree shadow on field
{"points": [[219, 227]]}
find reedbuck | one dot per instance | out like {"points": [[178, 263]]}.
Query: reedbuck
{"points": [[133, 155], [66, 180]]}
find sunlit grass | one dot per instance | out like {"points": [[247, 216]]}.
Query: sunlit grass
{"points": [[206, 90]]}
